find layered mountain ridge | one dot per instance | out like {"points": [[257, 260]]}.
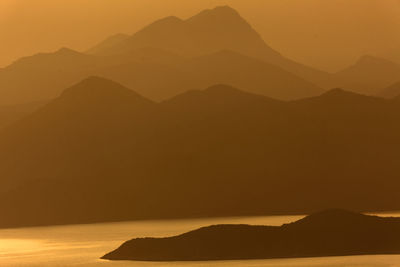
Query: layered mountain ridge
{"points": [[160, 60], [369, 75], [99, 151], [104, 153], [156, 60]]}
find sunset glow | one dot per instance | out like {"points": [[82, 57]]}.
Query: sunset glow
{"points": [[199, 133]]}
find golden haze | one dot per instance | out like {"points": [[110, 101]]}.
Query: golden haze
{"points": [[324, 34]]}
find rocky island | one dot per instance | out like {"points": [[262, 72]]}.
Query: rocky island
{"points": [[327, 233]]}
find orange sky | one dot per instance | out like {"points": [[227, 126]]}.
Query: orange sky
{"points": [[328, 34]]}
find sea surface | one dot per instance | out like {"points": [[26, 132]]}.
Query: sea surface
{"points": [[83, 245]]}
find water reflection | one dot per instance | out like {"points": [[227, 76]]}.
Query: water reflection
{"points": [[9, 247], [82, 245]]}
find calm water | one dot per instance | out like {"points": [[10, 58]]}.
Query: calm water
{"points": [[82, 245]]}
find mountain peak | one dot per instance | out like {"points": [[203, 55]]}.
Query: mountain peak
{"points": [[340, 98], [218, 13], [221, 10], [368, 60], [165, 25], [331, 217], [221, 96], [98, 88], [338, 92], [41, 60], [66, 51], [225, 8], [95, 80], [206, 32], [170, 20]]}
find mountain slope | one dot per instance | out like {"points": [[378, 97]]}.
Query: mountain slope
{"points": [[109, 42], [43, 76], [369, 75], [160, 61], [12, 114], [391, 91], [155, 73], [74, 126], [210, 31], [253, 75], [102, 153], [207, 32]]}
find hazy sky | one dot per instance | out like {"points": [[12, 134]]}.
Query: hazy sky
{"points": [[328, 34]]}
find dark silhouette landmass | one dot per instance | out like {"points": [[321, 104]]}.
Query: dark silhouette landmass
{"points": [[101, 152], [327, 233]]}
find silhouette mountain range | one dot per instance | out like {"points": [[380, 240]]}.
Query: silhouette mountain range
{"points": [[43, 76], [101, 152], [98, 151], [173, 55], [327, 233], [210, 31], [156, 73]]}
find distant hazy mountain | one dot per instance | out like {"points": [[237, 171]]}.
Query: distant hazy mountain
{"points": [[43, 76], [207, 32], [369, 75], [327, 233], [245, 72], [391, 91], [100, 152], [210, 31], [173, 55], [153, 72]]}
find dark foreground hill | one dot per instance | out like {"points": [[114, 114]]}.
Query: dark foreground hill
{"points": [[328, 233], [101, 152]]}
